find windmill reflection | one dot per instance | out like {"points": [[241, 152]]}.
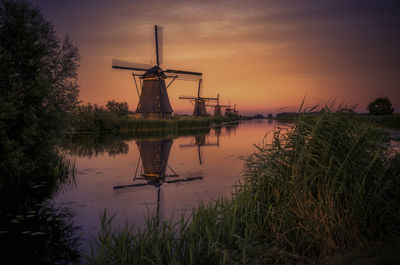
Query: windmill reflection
{"points": [[199, 141], [154, 154], [231, 128]]}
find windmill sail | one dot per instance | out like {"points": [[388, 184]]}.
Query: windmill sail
{"points": [[118, 64], [159, 44]]}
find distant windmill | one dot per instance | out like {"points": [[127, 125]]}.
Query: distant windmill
{"points": [[198, 102], [235, 112], [231, 111], [153, 99], [218, 108], [200, 140]]}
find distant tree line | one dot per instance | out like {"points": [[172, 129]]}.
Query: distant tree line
{"points": [[91, 117]]}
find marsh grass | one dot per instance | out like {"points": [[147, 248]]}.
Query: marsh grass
{"points": [[321, 187], [100, 120]]}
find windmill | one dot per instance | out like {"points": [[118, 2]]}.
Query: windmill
{"points": [[235, 112], [218, 108], [153, 98], [231, 111], [198, 102], [200, 140], [154, 155]]}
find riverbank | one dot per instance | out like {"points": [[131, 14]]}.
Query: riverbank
{"points": [[380, 121], [109, 122], [320, 189]]}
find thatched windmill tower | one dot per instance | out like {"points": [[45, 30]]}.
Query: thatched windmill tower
{"points": [[198, 102], [200, 141], [153, 99], [218, 108]]}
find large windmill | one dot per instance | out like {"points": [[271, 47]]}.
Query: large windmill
{"points": [[198, 102], [153, 98], [218, 108]]}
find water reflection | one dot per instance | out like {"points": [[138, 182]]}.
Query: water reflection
{"points": [[154, 154], [201, 141], [32, 229], [130, 174]]}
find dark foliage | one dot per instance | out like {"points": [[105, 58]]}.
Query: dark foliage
{"points": [[119, 108], [38, 85], [380, 106]]}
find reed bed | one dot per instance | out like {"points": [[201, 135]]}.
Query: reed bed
{"points": [[104, 121], [321, 187]]}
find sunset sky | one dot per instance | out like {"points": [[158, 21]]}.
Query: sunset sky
{"points": [[264, 56]]}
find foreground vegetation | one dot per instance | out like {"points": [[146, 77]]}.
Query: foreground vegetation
{"points": [[323, 188], [38, 87], [390, 121]]}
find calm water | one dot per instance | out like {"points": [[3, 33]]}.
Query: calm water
{"points": [[117, 172]]}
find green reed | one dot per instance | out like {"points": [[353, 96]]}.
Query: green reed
{"points": [[320, 187]]}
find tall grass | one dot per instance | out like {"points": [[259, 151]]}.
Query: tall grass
{"points": [[92, 118], [384, 121], [319, 187]]}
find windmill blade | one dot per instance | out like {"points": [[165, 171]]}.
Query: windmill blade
{"points": [[200, 154], [159, 44], [200, 88], [183, 180], [187, 97], [187, 145], [180, 72], [118, 64], [183, 75], [131, 186]]}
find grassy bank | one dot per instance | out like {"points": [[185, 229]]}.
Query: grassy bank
{"points": [[92, 118], [381, 121], [321, 188]]}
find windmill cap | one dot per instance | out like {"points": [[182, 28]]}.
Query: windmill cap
{"points": [[154, 72]]}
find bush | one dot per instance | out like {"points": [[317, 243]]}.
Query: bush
{"points": [[119, 108], [380, 106]]}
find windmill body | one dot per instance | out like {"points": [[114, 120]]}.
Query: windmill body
{"points": [[199, 102], [218, 108], [154, 101], [153, 98]]}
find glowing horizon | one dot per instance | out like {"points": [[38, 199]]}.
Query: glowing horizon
{"points": [[263, 56]]}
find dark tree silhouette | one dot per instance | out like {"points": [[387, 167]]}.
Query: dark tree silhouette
{"points": [[380, 106], [38, 85], [120, 108]]}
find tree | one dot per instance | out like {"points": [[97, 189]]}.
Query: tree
{"points": [[120, 108], [38, 85], [380, 106]]}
